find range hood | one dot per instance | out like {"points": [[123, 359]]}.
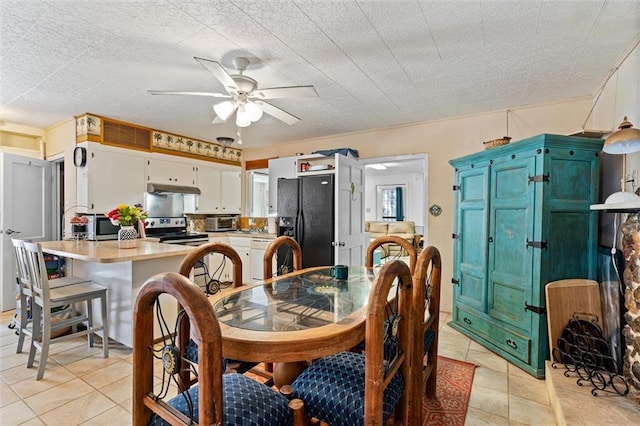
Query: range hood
{"points": [[158, 188]]}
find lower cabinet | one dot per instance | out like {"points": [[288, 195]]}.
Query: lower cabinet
{"points": [[242, 245], [522, 219]]}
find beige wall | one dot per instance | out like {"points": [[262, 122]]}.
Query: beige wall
{"points": [[444, 140], [60, 141]]}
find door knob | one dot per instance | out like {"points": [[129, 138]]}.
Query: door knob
{"points": [[11, 231]]}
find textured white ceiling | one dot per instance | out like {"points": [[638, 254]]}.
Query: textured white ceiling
{"points": [[374, 63]]}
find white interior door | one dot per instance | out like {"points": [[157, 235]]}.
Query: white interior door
{"points": [[26, 186], [349, 226]]}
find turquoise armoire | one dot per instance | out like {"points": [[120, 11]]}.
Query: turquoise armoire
{"points": [[522, 220]]}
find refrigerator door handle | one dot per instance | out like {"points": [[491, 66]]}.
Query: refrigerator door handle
{"points": [[300, 230]]}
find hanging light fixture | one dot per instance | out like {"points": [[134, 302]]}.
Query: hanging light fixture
{"points": [[625, 140]]}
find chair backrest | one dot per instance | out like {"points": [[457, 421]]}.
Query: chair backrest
{"points": [[272, 249], [37, 272], [187, 264], [390, 239], [22, 265], [206, 332], [426, 303], [389, 339], [199, 252]]}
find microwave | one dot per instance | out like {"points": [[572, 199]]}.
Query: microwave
{"points": [[221, 223], [100, 228]]}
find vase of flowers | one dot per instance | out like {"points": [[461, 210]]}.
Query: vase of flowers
{"points": [[127, 217]]}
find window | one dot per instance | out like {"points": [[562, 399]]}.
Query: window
{"points": [[391, 202]]}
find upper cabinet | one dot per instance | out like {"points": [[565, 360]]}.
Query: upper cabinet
{"points": [[171, 172], [110, 176], [208, 180], [220, 191], [230, 191]]}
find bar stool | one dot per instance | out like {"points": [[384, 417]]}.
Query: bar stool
{"points": [[44, 298], [24, 289]]}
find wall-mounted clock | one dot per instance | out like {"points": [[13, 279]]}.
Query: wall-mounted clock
{"points": [[80, 156]]}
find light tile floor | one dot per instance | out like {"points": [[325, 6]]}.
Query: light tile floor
{"points": [[80, 387]]}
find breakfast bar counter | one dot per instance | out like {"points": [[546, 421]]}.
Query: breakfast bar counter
{"points": [[122, 271], [108, 251]]}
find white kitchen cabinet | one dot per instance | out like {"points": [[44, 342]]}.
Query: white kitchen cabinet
{"points": [[208, 202], [242, 245], [279, 168], [111, 176], [171, 172], [230, 191]]}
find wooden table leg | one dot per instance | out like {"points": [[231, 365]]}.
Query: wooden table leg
{"points": [[284, 373]]}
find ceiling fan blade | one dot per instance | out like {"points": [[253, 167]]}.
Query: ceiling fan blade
{"points": [[285, 92], [173, 92], [220, 73], [278, 113], [218, 120]]}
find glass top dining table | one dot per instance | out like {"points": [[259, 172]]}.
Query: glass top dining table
{"points": [[299, 316]]}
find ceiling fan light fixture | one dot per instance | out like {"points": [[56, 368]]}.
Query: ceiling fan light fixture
{"points": [[242, 117], [253, 111], [224, 110]]}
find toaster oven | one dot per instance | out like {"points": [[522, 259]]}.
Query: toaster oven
{"points": [[221, 223]]}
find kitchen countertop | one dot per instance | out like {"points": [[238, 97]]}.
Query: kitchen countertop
{"points": [[243, 234], [108, 251]]}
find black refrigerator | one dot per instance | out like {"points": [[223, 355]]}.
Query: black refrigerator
{"points": [[306, 213]]}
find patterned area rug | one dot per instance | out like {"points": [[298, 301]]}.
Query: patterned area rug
{"points": [[449, 406]]}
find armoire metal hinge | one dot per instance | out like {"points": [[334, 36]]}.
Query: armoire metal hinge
{"points": [[455, 281], [535, 309], [537, 244], [455, 236], [456, 187], [539, 178]]}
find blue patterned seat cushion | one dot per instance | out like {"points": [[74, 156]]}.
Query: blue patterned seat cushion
{"points": [[245, 402], [191, 353], [332, 390], [429, 338]]}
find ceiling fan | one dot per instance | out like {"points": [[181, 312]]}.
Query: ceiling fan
{"points": [[244, 95]]}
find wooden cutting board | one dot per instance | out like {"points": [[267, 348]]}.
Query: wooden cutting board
{"points": [[565, 297]]}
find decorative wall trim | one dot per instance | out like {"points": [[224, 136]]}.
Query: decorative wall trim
{"points": [[181, 144], [90, 127]]}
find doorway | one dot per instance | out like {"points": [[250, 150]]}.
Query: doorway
{"points": [[408, 172]]}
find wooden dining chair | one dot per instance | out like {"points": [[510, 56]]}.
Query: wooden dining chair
{"points": [[382, 242], [217, 398], [426, 303], [348, 388], [286, 248], [44, 299], [188, 346], [279, 247]]}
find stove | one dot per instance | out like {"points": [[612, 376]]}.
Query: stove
{"points": [[173, 230]]}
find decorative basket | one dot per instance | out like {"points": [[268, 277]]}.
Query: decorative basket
{"points": [[496, 142]]}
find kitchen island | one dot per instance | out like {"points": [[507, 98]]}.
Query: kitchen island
{"points": [[122, 271]]}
